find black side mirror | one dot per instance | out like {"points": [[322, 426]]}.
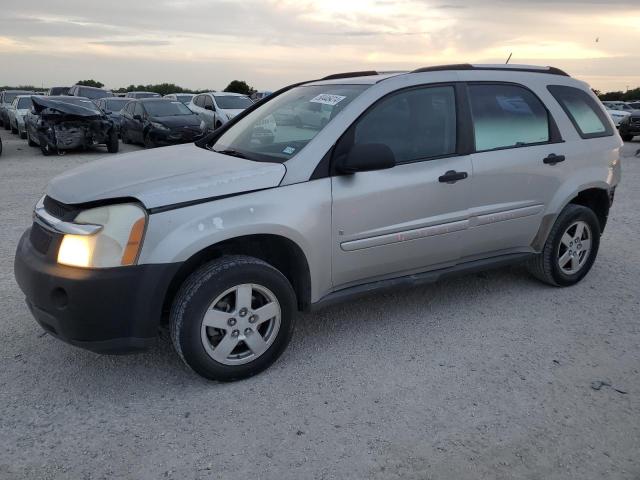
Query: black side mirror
{"points": [[137, 117], [366, 157], [209, 107]]}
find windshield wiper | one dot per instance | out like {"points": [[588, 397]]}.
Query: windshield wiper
{"points": [[231, 152]]}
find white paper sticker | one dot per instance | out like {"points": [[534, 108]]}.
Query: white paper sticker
{"points": [[289, 150], [327, 99]]}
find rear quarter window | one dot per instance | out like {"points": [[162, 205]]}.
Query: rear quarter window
{"points": [[584, 112]]}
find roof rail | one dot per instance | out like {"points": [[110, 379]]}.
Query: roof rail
{"points": [[509, 68], [365, 73]]}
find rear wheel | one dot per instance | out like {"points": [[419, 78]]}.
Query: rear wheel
{"points": [[148, 143], [233, 318], [571, 248], [14, 129], [30, 141]]}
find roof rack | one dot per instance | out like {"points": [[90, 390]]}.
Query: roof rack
{"points": [[365, 73], [510, 68]]}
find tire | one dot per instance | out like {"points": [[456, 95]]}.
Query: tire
{"points": [[14, 130], [218, 125], [22, 134], [147, 141], [30, 142], [197, 344], [46, 149], [113, 144], [627, 137], [124, 136], [546, 266]]}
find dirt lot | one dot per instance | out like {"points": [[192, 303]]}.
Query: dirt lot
{"points": [[486, 376]]}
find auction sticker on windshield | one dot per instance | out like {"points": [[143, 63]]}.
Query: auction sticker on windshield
{"points": [[327, 99]]}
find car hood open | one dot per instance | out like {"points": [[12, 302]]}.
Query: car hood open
{"points": [[45, 105], [164, 176]]}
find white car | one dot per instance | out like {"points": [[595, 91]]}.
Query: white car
{"points": [[180, 97], [217, 108], [617, 115], [17, 112]]}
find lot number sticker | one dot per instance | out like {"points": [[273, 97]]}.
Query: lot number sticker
{"points": [[327, 99]]}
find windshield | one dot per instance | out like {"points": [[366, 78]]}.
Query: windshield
{"points": [[116, 104], [231, 102], [166, 108], [24, 103], [10, 96], [94, 93], [140, 95], [184, 98], [59, 91], [283, 126]]}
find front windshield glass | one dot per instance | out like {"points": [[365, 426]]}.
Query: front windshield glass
{"points": [[231, 102], [24, 103], [166, 108], [94, 93], [283, 126], [184, 98], [116, 104]]}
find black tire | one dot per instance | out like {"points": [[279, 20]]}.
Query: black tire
{"points": [[201, 288], [14, 130], [148, 143], [23, 135], [627, 137], [46, 149], [113, 144], [30, 141], [544, 266]]}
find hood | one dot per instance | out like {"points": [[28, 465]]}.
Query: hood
{"points": [[173, 121], [45, 105], [232, 112], [164, 176]]}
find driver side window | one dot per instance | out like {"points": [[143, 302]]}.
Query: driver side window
{"points": [[416, 124]]}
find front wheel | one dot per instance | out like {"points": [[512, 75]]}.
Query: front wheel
{"points": [[571, 248], [627, 137], [113, 144], [232, 318], [148, 143], [30, 141]]}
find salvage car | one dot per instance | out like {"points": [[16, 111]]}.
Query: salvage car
{"points": [[217, 108], [57, 91], [17, 112], [157, 122], [630, 126], [112, 107], [58, 124], [181, 97], [91, 93], [417, 176], [6, 99]]}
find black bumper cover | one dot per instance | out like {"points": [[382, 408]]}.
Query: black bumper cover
{"points": [[112, 310]]}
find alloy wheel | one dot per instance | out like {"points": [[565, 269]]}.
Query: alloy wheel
{"points": [[574, 248]]}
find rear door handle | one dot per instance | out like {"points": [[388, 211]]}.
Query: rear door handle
{"points": [[552, 159], [452, 176]]}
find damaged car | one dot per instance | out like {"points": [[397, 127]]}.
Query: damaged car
{"points": [[58, 124]]}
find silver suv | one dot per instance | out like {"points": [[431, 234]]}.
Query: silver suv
{"points": [[403, 179]]}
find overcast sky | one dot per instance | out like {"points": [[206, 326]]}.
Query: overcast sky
{"points": [[269, 43]]}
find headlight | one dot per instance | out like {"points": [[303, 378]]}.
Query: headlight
{"points": [[159, 126], [117, 243]]}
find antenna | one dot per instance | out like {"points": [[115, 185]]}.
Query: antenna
{"points": [[508, 58]]}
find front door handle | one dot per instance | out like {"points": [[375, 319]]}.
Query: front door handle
{"points": [[452, 176], [552, 159]]}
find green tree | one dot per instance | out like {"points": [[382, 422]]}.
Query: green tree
{"points": [[239, 86], [91, 83]]}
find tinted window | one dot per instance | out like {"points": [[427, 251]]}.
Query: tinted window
{"points": [[507, 116], [415, 124], [183, 98], [199, 101], [114, 105], [232, 102], [583, 111], [59, 91], [93, 93], [166, 108], [138, 110]]}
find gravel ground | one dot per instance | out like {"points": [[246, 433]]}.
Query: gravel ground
{"points": [[485, 376]]}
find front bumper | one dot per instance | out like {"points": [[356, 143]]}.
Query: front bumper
{"points": [[174, 136], [631, 128], [111, 310]]}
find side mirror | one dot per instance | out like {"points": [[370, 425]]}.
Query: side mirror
{"points": [[367, 157], [137, 117], [210, 107]]}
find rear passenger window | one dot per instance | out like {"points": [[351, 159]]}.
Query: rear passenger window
{"points": [[583, 111], [507, 116], [416, 124]]}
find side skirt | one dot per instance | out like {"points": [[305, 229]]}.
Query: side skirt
{"points": [[419, 278]]}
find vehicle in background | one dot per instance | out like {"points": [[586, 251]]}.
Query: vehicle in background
{"points": [[629, 127], [57, 91], [141, 95], [634, 104], [112, 108], [157, 121], [181, 97], [617, 105], [617, 115], [92, 93], [61, 123], [217, 108], [17, 113], [6, 99], [257, 96]]}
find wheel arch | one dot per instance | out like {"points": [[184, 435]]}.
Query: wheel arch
{"points": [[281, 252]]}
